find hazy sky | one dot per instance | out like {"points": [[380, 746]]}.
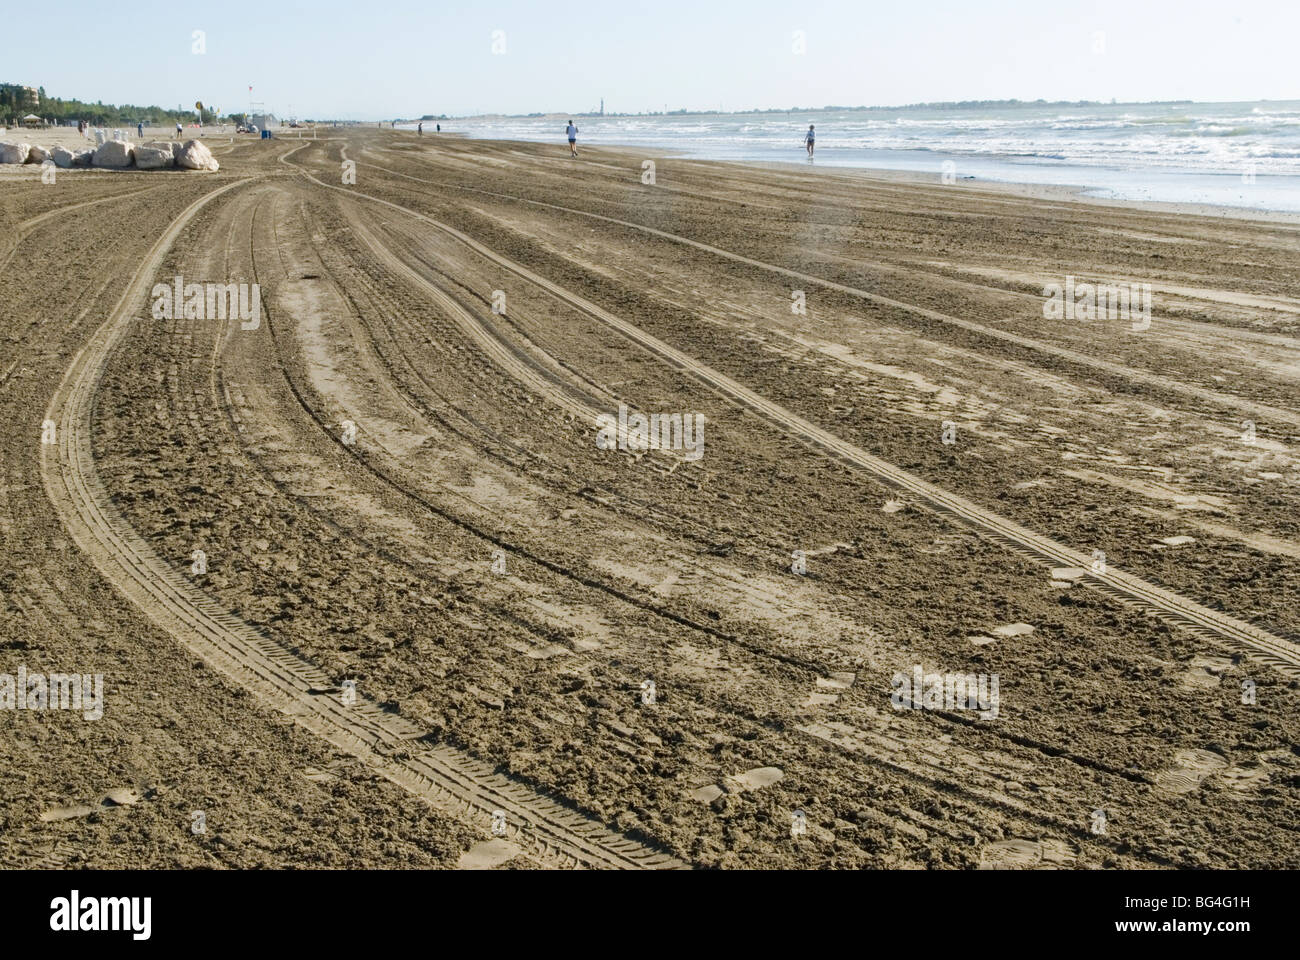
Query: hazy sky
{"points": [[344, 58]]}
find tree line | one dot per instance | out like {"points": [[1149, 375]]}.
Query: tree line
{"points": [[17, 101]]}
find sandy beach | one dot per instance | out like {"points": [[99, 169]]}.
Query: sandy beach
{"points": [[427, 595]]}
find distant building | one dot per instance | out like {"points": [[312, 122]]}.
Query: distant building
{"points": [[264, 121]]}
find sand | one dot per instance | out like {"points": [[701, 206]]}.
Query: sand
{"points": [[617, 639]]}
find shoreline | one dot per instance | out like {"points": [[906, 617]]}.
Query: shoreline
{"points": [[1173, 180], [1057, 192], [1048, 192]]}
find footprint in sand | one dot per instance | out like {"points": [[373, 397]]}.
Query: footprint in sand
{"points": [[318, 776], [707, 794], [1001, 633], [816, 699], [1065, 577], [835, 682], [1245, 779], [1204, 672], [487, 855], [121, 797], [943, 544], [1189, 769], [755, 779], [1026, 855], [115, 797], [67, 813]]}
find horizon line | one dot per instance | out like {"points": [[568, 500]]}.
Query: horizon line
{"points": [[683, 111]]}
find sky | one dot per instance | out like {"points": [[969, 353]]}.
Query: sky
{"points": [[357, 60]]}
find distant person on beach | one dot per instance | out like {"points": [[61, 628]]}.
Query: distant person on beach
{"points": [[139, 130], [572, 131], [438, 128], [810, 138], [419, 127], [179, 129]]}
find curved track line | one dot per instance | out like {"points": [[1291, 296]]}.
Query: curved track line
{"points": [[1051, 750], [1138, 376], [24, 228], [493, 347], [448, 779], [1127, 587]]}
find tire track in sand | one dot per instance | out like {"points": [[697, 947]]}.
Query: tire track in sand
{"points": [[1146, 378], [1126, 587], [448, 779]]}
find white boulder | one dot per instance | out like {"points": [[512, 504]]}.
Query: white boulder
{"points": [[83, 158], [173, 147], [14, 152], [153, 158], [114, 154], [195, 156], [62, 157]]}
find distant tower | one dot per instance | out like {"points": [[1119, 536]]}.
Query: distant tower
{"points": [[602, 106]]}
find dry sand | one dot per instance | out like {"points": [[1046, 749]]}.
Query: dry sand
{"points": [[504, 593]]}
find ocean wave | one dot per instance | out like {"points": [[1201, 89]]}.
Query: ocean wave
{"points": [[1196, 137]]}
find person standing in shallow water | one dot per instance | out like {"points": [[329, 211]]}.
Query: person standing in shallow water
{"points": [[572, 131], [809, 139]]}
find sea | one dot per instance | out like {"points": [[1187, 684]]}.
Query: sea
{"points": [[1228, 154]]}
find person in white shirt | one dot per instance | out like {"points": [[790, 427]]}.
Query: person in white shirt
{"points": [[572, 131]]}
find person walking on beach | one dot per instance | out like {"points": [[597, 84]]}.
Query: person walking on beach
{"points": [[437, 128], [419, 127], [179, 129], [139, 130], [572, 131], [809, 139]]}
